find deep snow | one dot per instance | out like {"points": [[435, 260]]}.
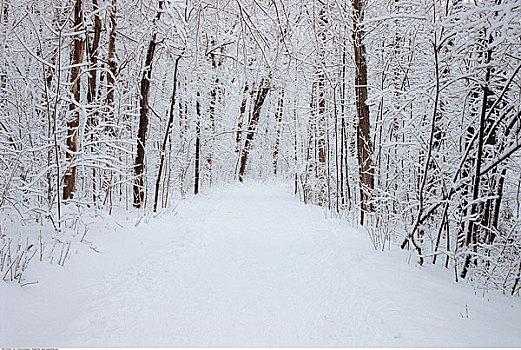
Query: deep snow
{"points": [[248, 265]]}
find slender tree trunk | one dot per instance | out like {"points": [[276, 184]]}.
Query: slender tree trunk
{"points": [[322, 170], [365, 148], [167, 133], [109, 117], [3, 33], [92, 82], [111, 76], [183, 130], [252, 127], [423, 182], [337, 168], [241, 118], [471, 239], [209, 140], [197, 144], [93, 54], [139, 164], [72, 125], [295, 145], [215, 98], [516, 281], [278, 119], [344, 142]]}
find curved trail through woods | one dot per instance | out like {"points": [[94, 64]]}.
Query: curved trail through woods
{"points": [[249, 265]]}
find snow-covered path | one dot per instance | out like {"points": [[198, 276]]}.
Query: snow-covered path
{"points": [[250, 266]]}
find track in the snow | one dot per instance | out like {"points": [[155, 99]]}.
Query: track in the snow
{"points": [[251, 266]]}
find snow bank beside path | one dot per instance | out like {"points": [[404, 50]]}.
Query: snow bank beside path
{"points": [[249, 266]]}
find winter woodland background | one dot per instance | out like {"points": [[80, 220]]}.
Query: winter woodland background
{"points": [[401, 116]]}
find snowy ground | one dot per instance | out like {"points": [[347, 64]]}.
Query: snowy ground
{"points": [[249, 266]]}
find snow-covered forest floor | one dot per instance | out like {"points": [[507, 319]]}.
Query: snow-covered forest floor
{"points": [[248, 265]]}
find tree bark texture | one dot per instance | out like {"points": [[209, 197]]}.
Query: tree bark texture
{"points": [[278, 118], [111, 76], [74, 121], [139, 164], [241, 118], [252, 127], [197, 144], [167, 133], [364, 146]]}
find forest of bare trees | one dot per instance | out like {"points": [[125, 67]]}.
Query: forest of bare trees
{"points": [[403, 117]]}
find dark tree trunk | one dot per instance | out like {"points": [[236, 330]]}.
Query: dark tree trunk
{"points": [[93, 80], [344, 140], [209, 140], [139, 164], [215, 98], [241, 118], [278, 118], [3, 31], [252, 127], [471, 239], [72, 125], [295, 146], [197, 144], [167, 133], [365, 148], [93, 54], [111, 76]]}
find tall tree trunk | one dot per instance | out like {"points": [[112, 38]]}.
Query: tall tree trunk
{"points": [[167, 134], [92, 82], [215, 99], [109, 116], [321, 130], [252, 127], [72, 125], [197, 144], [318, 104], [93, 54], [209, 140], [278, 118], [241, 118], [337, 165], [183, 131], [344, 140], [3, 33], [139, 165], [364, 146], [111, 76], [471, 239], [295, 145], [500, 185], [423, 182]]}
